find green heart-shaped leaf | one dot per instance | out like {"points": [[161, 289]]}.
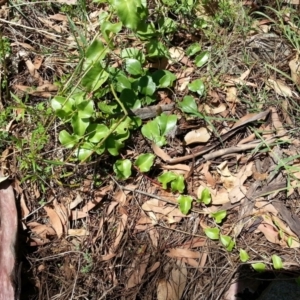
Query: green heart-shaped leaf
{"points": [[185, 203], [202, 59], [197, 86], [67, 140], [212, 233], [244, 255], [144, 162], [122, 168], [133, 66]]}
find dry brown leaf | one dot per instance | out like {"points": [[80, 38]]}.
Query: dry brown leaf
{"points": [[216, 110], [24, 208], [280, 87], [24, 45], [178, 167], [76, 201], [220, 197], [91, 204], [295, 70], [226, 178], [37, 62], [154, 236], [182, 253], [178, 279], [270, 232], [210, 180], [238, 192], [194, 243], [231, 95], [285, 106], [153, 267], [42, 230], [283, 226], [78, 232], [78, 214], [55, 221], [59, 17], [160, 153], [107, 256], [120, 197], [62, 213], [200, 135], [120, 231], [176, 54], [111, 207], [164, 290], [184, 78], [265, 207], [138, 266]]}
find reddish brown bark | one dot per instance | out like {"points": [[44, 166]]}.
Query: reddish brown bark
{"points": [[8, 232]]}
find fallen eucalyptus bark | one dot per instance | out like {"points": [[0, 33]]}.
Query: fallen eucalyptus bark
{"points": [[8, 232]]}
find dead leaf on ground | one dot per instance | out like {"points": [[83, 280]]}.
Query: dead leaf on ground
{"points": [[173, 287], [92, 203], [285, 107], [176, 55], [226, 178], [200, 135], [78, 232], [24, 208], [238, 192], [269, 230], [216, 110], [178, 167], [154, 267], [78, 199], [160, 153], [194, 243], [120, 231], [231, 95], [138, 266], [60, 17], [279, 87], [41, 230], [55, 221], [182, 253], [154, 235], [295, 70]]}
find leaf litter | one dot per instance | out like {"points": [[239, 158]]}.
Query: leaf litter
{"points": [[132, 234]]}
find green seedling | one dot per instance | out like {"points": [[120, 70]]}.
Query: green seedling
{"points": [[212, 233], [193, 49], [227, 242], [122, 168], [219, 216], [144, 162], [197, 86], [205, 197], [157, 129], [277, 262], [244, 257], [259, 267], [202, 59], [185, 203], [130, 12], [177, 181]]}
